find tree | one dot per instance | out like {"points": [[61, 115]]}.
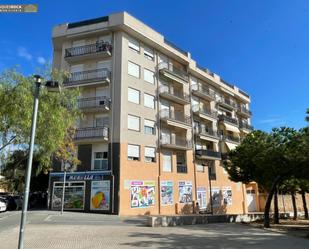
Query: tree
{"points": [[267, 159], [291, 186], [57, 114], [307, 117]]}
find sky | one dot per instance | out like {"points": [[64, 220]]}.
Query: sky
{"points": [[260, 46]]}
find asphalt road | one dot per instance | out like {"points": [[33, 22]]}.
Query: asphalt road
{"points": [[46, 229]]}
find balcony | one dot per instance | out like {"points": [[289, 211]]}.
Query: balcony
{"points": [[176, 119], [174, 95], [230, 120], [203, 92], [173, 73], [227, 103], [243, 111], [93, 51], [94, 104], [232, 139], [90, 77], [245, 126], [207, 154], [178, 143], [207, 134], [182, 169], [91, 134], [205, 113]]}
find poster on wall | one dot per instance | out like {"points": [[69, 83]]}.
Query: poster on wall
{"points": [[100, 195], [201, 197], [73, 196], [185, 191], [167, 193], [216, 197], [227, 195], [142, 194]]}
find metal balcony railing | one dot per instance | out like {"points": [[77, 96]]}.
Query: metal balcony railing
{"points": [[182, 169], [206, 131], [176, 141], [245, 125], [174, 70], [205, 111], [231, 138], [208, 153], [88, 49], [204, 90], [228, 102], [88, 76], [92, 132], [175, 116], [174, 93], [228, 119], [93, 102], [244, 110]]}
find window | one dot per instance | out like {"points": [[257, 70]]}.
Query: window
{"points": [[100, 161], [199, 168], [167, 162], [148, 76], [133, 95], [101, 121], [148, 53], [133, 152], [149, 127], [149, 101], [133, 69], [134, 44], [150, 155], [133, 123]]}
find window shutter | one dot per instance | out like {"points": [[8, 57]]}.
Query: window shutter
{"points": [[133, 95], [133, 69], [149, 101], [149, 123], [133, 123], [134, 44], [149, 152], [133, 150], [149, 76], [148, 52]]}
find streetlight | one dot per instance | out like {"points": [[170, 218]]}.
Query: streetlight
{"points": [[52, 86]]}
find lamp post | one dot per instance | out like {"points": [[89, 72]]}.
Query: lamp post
{"points": [[51, 86], [63, 188]]}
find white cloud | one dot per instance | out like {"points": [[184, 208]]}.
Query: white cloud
{"points": [[23, 53], [41, 60]]}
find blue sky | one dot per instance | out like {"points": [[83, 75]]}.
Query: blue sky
{"points": [[261, 46]]}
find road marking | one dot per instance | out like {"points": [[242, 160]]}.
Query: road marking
{"points": [[48, 218]]}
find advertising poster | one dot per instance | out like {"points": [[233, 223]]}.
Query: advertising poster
{"points": [[167, 193], [73, 197], [142, 194], [227, 195], [185, 191], [216, 197], [201, 197], [100, 195]]}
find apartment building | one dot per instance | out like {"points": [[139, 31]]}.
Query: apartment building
{"points": [[155, 124]]}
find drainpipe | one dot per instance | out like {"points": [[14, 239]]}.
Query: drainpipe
{"points": [[159, 134]]}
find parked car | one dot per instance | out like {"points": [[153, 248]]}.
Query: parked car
{"points": [[10, 202], [2, 205]]}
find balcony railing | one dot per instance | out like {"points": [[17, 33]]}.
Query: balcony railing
{"points": [[175, 116], [94, 102], [228, 119], [206, 131], [176, 141], [230, 138], [228, 102], [244, 110], [174, 70], [88, 76], [182, 169], [204, 111], [88, 49], [245, 125], [175, 93], [208, 153], [203, 90], [92, 132]]}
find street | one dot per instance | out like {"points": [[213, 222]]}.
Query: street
{"points": [[46, 229]]}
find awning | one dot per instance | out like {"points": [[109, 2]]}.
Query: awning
{"points": [[231, 146], [231, 128]]}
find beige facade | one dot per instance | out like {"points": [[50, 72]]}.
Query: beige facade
{"points": [[154, 121]]}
